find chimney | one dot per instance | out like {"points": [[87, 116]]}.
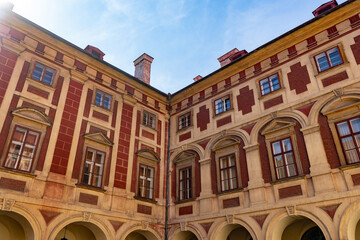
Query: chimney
{"points": [[325, 7], [231, 56], [95, 52], [142, 68], [197, 78]]}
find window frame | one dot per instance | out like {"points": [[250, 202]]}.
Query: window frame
{"points": [[147, 123], [45, 67], [91, 173], [139, 192], [283, 153], [188, 187], [223, 104], [102, 102], [270, 85], [235, 167], [185, 115], [328, 60], [34, 157]]}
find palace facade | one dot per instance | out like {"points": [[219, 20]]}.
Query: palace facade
{"points": [[265, 147]]}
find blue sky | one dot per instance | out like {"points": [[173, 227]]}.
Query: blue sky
{"points": [[185, 37]]}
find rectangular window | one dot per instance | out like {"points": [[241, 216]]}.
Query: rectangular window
{"points": [[328, 59], [149, 119], [184, 121], [283, 155], [349, 132], [228, 176], [93, 168], [103, 99], [185, 183], [146, 181], [269, 84], [43, 74], [22, 149], [222, 105]]}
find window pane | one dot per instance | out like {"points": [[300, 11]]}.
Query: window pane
{"points": [[227, 104], [287, 144], [38, 71], [224, 175], [352, 156], [355, 125], [107, 101], [291, 170], [99, 158], [224, 186], [49, 75], [278, 161], [231, 160], [357, 139], [276, 147], [223, 163], [348, 143], [99, 98], [322, 62], [334, 57], [280, 172], [289, 158], [218, 106], [343, 128]]}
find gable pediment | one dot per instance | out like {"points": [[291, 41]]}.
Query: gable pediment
{"points": [[32, 114], [99, 137], [277, 125], [183, 156], [339, 104], [148, 154]]}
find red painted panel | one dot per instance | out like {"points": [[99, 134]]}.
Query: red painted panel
{"points": [[22, 77], [202, 95], [332, 32], [38, 91], [184, 136], [245, 100], [243, 166], [214, 89], [257, 68], [173, 183], [59, 57], [204, 143], [311, 42], [158, 137], [79, 151], [197, 176], [223, 121], [354, 21], [306, 108], [265, 164], [356, 179], [260, 219], [40, 48], [249, 128], [12, 184], [114, 115], [88, 103], [298, 78], [274, 60], [213, 174], [147, 134], [80, 66], [93, 129], [129, 90], [144, 209], [134, 170], [16, 35], [7, 64], [190, 100], [292, 51], [304, 159], [144, 98], [57, 91], [355, 48], [6, 126], [328, 142], [203, 118], [231, 202], [290, 191], [242, 76], [185, 210], [330, 210], [138, 118], [88, 198], [335, 78], [273, 102], [48, 215], [100, 116], [31, 105]]}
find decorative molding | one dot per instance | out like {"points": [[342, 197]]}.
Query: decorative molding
{"points": [[87, 216], [8, 204], [310, 129], [291, 210], [250, 148], [338, 92], [144, 225], [183, 226], [230, 219]]}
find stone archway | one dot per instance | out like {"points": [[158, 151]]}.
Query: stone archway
{"points": [[79, 231], [15, 226], [141, 235]]}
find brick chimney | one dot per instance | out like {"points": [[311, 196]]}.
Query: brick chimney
{"points": [[95, 52], [197, 78], [142, 68], [325, 7], [231, 56]]}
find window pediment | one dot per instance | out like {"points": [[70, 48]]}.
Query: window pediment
{"points": [[184, 156], [99, 137], [32, 115], [340, 104], [226, 142], [277, 125], [148, 154]]}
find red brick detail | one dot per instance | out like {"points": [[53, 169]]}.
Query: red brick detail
{"points": [[298, 78], [67, 127], [59, 57], [227, 83], [31, 105], [202, 95], [100, 116], [12, 184], [249, 128], [204, 143], [16, 35], [157, 181], [311, 42], [99, 76], [197, 176], [129, 90], [114, 114], [185, 210], [206, 226], [328, 142], [157, 104], [144, 99], [264, 158], [144, 209], [38, 91], [147, 134], [116, 225], [306, 108], [158, 137], [79, 150], [223, 121], [173, 183], [80, 66], [40, 48], [93, 129], [243, 165], [54, 190], [22, 78], [203, 118], [257, 68], [231, 202], [45, 144], [356, 179], [134, 170], [184, 136], [107, 169], [330, 210], [273, 102], [6, 126], [354, 21], [292, 51], [245, 100], [355, 48], [48, 215], [123, 146], [113, 83], [88, 198], [335, 78], [332, 32], [274, 60], [178, 106], [213, 174], [7, 64], [290, 191], [138, 119], [242, 75], [190, 101], [304, 159], [57, 92], [88, 103], [214, 89], [260, 219]]}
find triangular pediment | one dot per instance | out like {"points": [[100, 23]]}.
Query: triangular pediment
{"points": [[32, 114], [225, 142], [148, 154], [99, 137], [183, 156], [276, 125], [339, 104]]}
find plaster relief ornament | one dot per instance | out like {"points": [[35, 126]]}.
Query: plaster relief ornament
{"points": [[87, 216], [230, 219], [144, 224], [291, 210], [8, 204], [183, 226]]}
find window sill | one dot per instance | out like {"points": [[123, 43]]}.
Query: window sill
{"points": [[350, 166], [148, 127], [41, 84], [272, 94], [223, 113], [101, 108], [145, 199], [184, 129], [327, 71], [97, 189], [230, 191], [185, 201], [282, 180], [17, 172]]}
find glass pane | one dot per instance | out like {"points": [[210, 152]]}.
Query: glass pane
{"points": [[31, 138], [25, 164], [99, 158], [357, 139], [86, 178], [231, 161], [28, 151], [107, 101], [224, 186], [352, 156], [218, 106], [287, 144], [19, 135], [142, 171], [343, 128], [188, 172], [96, 181], [322, 62], [48, 77], [224, 175], [227, 104], [291, 170], [278, 161], [355, 125], [223, 163], [289, 158], [89, 156], [348, 143], [99, 98], [280, 172], [334, 57], [38, 70], [97, 170], [276, 147]]}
